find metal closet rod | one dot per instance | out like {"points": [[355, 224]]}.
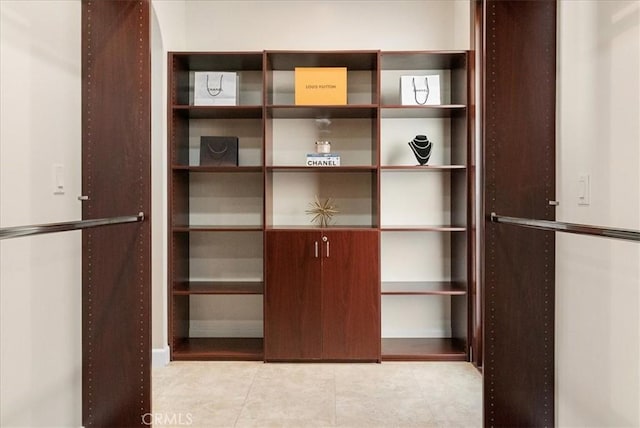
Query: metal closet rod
{"points": [[579, 229], [38, 229]]}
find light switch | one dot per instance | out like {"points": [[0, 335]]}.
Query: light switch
{"points": [[584, 190], [58, 179]]}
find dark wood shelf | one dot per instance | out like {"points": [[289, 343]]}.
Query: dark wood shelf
{"points": [[431, 111], [423, 349], [221, 61], [219, 348], [302, 168], [419, 228], [425, 60], [412, 168], [185, 228], [205, 168], [217, 287], [218, 112], [400, 288], [365, 111], [353, 60], [313, 227]]}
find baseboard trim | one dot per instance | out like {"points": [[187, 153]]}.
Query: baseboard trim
{"points": [[160, 357]]}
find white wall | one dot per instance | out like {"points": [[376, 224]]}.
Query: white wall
{"points": [[598, 280], [327, 24], [167, 33], [40, 277]]}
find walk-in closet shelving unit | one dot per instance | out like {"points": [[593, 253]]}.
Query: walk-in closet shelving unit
{"points": [[424, 212], [325, 306], [216, 214], [223, 220]]}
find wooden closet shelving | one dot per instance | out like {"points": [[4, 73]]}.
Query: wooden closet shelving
{"points": [[234, 231]]}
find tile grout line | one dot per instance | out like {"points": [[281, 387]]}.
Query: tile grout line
{"points": [[244, 403], [335, 398], [423, 395]]}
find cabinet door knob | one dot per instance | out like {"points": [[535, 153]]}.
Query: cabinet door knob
{"points": [[325, 239], [316, 249]]}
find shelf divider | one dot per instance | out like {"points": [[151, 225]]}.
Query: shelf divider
{"points": [[422, 228], [206, 168], [219, 349], [219, 228], [423, 349], [423, 288], [413, 168], [218, 287]]}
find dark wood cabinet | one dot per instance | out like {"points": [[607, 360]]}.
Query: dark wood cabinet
{"points": [[350, 295], [322, 297], [292, 298]]}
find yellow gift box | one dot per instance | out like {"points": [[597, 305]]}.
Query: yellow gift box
{"points": [[321, 85]]}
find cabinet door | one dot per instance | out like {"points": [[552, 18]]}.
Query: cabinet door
{"points": [[350, 295], [292, 296]]}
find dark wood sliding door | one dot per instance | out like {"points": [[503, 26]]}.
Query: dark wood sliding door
{"points": [[518, 124], [116, 330]]}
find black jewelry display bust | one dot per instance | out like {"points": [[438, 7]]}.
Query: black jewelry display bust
{"points": [[421, 147]]}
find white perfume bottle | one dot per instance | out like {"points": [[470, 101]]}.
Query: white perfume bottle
{"points": [[323, 147]]}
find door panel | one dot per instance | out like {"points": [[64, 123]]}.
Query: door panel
{"points": [[116, 178], [350, 295], [292, 296], [519, 175]]}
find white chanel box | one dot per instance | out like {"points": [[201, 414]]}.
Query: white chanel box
{"points": [[323, 159]]}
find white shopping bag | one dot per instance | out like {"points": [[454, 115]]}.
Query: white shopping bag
{"points": [[215, 88], [420, 90]]}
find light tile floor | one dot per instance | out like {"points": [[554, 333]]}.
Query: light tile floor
{"points": [[254, 394]]}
